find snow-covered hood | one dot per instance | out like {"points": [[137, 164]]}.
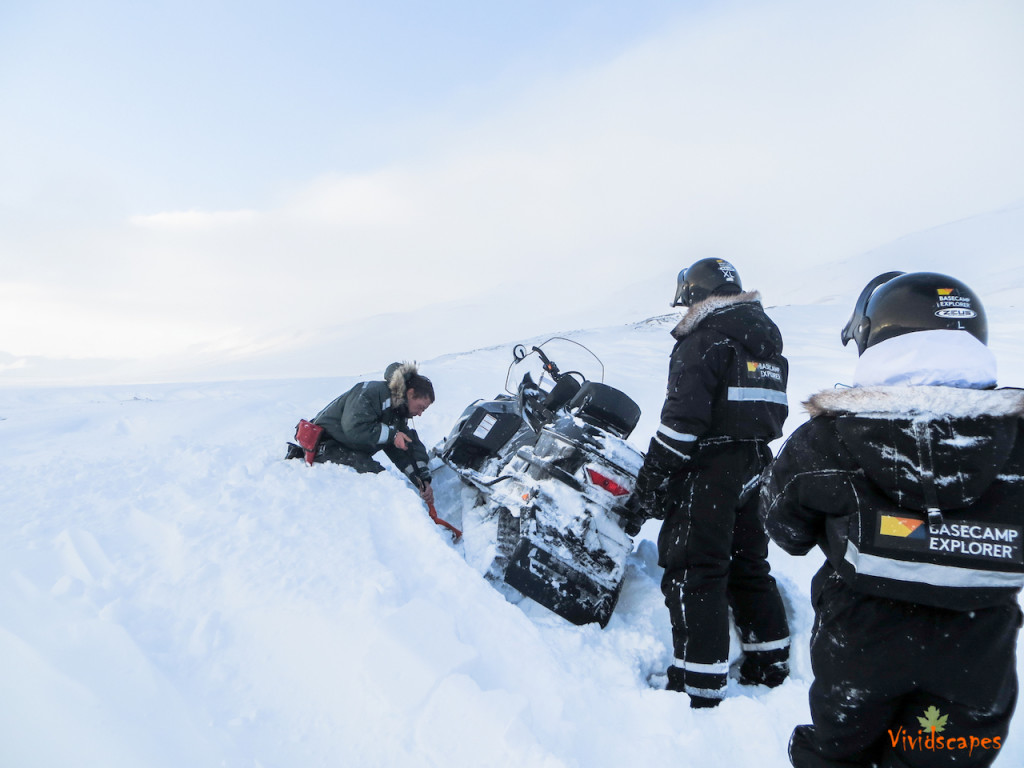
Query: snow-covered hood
{"points": [[926, 446]]}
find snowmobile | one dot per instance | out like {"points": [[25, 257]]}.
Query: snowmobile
{"points": [[544, 471]]}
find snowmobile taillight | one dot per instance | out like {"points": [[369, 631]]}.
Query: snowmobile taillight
{"points": [[607, 483]]}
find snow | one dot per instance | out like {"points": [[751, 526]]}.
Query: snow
{"points": [[174, 594]]}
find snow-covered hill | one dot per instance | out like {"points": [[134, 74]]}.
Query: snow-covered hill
{"points": [[174, 594], [983, 250]]}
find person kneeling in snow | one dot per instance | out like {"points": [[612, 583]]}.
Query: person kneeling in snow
{"points": [[912, 483], [374, 416]]}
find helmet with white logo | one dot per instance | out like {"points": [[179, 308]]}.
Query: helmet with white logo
{"points": [[895, 303], [704, 278]]}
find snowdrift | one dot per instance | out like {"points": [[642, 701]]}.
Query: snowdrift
{"points": [[173, 593]]}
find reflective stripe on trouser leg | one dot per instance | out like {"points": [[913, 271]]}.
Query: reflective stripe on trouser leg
{"points": [[773, 645], [707, 680]]}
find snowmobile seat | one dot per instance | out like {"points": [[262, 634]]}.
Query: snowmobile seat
{"points": [[563, 391], [606, 407]]}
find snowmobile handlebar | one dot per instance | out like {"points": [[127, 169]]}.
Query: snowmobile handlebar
{"points": [[520, 354], [549, 365]]}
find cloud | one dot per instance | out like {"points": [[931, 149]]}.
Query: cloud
{"points": [[193, 221], [780, 135]]}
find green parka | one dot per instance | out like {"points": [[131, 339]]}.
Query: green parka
{"points": [[368, 416]]}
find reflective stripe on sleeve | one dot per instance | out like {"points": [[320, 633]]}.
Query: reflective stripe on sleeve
{"points": [[668, 447], [682, 437]]}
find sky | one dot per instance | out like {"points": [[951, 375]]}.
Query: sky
{"points": [[184, 181]]}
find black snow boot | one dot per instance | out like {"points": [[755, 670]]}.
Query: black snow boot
{"points": [[703, 702], [769, 668]]}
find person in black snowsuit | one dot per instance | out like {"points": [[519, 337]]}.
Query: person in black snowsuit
{"points": [[912, 484], [726, 400], [374, 416]]}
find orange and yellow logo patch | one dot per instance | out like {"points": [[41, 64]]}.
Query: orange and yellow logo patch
{"points": [[901, 527]]}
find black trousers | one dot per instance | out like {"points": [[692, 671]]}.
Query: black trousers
{"points": [[714, 551], [885, 671], [412, 461], [333, 452]]}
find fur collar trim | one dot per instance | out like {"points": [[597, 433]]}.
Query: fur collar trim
{"points": [[703, 309], [918, 402], [396, 375]]}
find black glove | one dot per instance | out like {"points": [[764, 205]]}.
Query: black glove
{"points": [[649, 493], [660, 464], [631, 516], [646, 501]]}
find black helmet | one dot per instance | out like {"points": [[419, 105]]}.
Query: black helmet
{"points": [[895, 303], [704, 278]]}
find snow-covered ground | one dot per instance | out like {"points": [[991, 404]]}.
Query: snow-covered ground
{"points": [[173, 594]]}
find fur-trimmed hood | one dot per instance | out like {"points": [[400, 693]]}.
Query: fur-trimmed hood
{"points": [[739, 317], [917, 402], [927, 447], [396, 375], [696, 314]]}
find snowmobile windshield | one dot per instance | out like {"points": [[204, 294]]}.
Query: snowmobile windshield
{"points": [[551, 361]]}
